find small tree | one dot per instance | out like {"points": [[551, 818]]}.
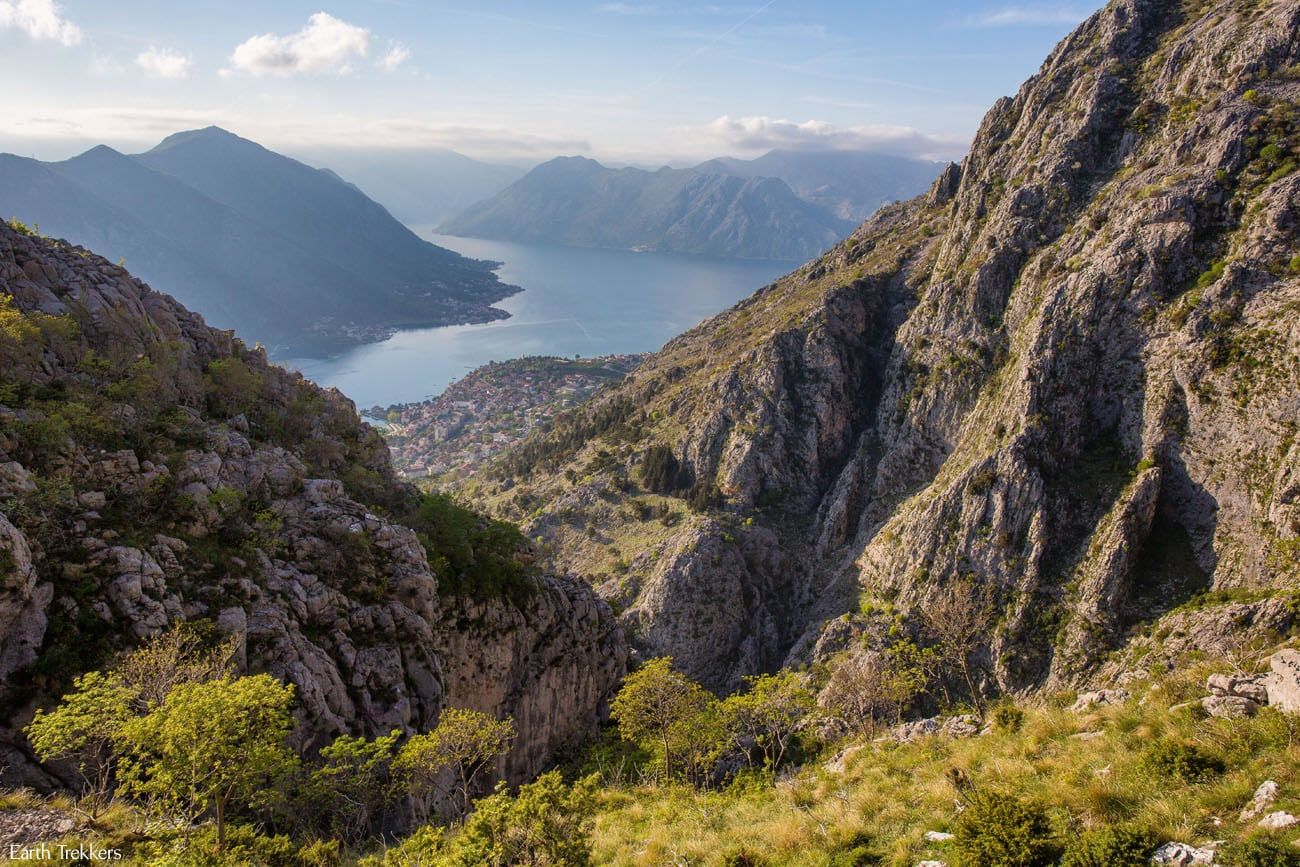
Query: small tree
{"points": [[669, 715], [85, 728], [546, 825], [353, 784], [868, 685], [209, 746], [769, 713], [959, 621], [464, 741], [180, 655]]}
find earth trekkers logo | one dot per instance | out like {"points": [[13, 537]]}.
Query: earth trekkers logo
{"points": [[74, 854]]}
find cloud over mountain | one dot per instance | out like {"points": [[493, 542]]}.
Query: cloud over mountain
{"points": [[326, 44]]}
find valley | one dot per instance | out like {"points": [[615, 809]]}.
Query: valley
{"points": [[968, 538]]}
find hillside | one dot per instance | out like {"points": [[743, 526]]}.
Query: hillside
{"points": [[289, 256], [490, 409], [849, 184], [1067, 376], [155, 471], [579, 202]]}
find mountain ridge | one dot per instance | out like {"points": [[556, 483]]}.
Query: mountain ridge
{"points": [[1032, 378], [580, 202], [297, 258]]}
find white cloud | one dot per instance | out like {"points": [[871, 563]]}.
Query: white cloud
{"points": [[1009, 16], [326, 44], [164, 63], [396, 56], [39, 19], [765, 133]]}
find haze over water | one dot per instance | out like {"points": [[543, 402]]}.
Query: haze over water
{"points": [[575, 301]]}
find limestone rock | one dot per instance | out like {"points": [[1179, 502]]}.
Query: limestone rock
{"points": [[1100, 698], [1263, 798], [1251, 687], [1183, 855], [1229, 706], [1277, 821], [1283, 684]]}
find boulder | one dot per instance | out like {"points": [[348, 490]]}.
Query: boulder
{"points": [[1182, 855], [1283, 684], [1099, 698], [1229, 706], [1277, 821], [1244, 686], [1264, 797]]}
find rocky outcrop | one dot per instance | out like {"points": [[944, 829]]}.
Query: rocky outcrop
{"points": [[1068, 374], [156, 471]]}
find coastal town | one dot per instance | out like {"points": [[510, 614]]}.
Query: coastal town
{"points": [[489, 409]]}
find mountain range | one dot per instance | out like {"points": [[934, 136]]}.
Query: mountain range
{"points": [[784, 205], [288, 255]]}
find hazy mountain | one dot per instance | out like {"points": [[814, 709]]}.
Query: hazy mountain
{"points": [[849, 184], [284, 253], [578, 201], [417, 186]]}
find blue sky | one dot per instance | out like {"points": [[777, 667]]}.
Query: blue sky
{"points": [[643, 82]]}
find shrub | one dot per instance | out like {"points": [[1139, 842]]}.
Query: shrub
{"points": [[242, 846], [1001, 830], [1182, 761], [1111, 846], [1008, 718], [1261, 850], [741, 856], [857, 852]]}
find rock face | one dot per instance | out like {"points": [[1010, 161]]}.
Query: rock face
{"points": [[1068, 374], [1283, 685], [157, 471]]}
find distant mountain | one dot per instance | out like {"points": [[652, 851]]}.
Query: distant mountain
{"points": [[283, 253], [849, 184], [417, 186], [578, 201]]}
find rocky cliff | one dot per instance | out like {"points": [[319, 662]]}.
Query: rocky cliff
{"points": [[1070, 374], [155, 470]]}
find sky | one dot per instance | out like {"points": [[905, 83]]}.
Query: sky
{"points": [[520, 81]]}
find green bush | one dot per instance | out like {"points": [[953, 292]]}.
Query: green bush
{"points": [[243, 846], [1262, 850], [1008, 718], [1111, 846], [1182, 761], [742, 856], [1001, 830], [857, 852]]}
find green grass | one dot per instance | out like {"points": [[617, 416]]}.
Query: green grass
{"points": [[895, 793]]}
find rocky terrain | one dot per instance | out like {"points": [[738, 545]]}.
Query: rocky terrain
{"points": [[1068, 375], [155, 470], [490, 410]]}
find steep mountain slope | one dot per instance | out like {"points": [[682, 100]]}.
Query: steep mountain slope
{"points": [[154, 470], [1069, 374], [577, 201], [849, 184], [417, 186], [286, 254]]}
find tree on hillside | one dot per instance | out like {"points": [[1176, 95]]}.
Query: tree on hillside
{"points": [[768, 714], [547, 824], [353, 785], [182, 654], [466, 743], [959, 621], [209, 746], [669, 715], [86, 727]]}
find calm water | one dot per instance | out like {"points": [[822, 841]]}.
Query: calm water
{"points": [[587, 302]]}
